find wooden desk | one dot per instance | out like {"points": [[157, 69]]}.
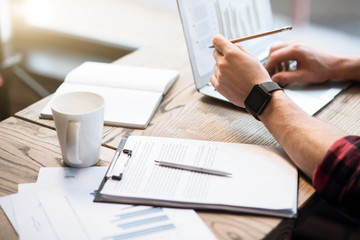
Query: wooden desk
{"points": [[27, 142]]}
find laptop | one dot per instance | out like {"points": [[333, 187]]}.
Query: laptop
{"points": [[203, 19]]}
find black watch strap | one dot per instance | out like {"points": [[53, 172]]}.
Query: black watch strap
{"points": [[259, 97], [270, 87]]}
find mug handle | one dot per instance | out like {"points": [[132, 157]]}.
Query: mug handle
{"points": [[72, 142]]}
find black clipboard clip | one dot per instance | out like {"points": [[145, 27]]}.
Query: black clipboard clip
{"points": [[116, 168], [118, 164]]}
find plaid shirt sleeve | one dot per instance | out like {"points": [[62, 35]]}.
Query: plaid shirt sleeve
{"points": [[337, 177]]}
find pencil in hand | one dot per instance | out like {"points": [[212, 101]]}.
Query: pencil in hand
{"points": [[259, 35]]}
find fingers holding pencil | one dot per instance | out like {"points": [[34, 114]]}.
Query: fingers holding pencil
{"points": [[259, 35]]}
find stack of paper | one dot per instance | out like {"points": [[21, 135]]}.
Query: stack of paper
{"points": [[60, 206]]}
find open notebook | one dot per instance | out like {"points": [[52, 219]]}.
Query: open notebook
{"points": [[203, 19], [132, 94]]}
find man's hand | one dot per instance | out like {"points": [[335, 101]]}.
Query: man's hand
{"points": [[236, 71], [313, 66]]}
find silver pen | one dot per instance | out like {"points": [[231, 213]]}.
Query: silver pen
{"points": [[192, 168]]}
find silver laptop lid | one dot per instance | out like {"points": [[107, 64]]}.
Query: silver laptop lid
{"points": [[203, 19]]}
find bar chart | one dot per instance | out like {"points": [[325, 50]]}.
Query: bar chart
{"points": [[139, 221], [239, 18], [231, 18]]}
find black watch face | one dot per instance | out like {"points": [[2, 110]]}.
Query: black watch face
{"points": [[256, 100]]}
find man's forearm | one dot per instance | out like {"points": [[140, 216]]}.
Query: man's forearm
{"points": [[347, 68], [304, 138]]}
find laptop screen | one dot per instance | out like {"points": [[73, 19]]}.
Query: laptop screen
{"points": [[203, 19]]}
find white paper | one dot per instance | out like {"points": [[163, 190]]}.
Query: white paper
{"points": [[72, 208], [61, 215], [312, 97], [57, 180], [262, 177], [32, 220], [122, 76], [7, 205], [70, 177], [123, 107], [126, 221]]}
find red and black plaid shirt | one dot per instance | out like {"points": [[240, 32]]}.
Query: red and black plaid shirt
{"points": [[337, 177]]}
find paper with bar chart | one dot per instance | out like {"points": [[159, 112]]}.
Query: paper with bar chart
{"points": [[119, 221], [60, 206], [145, 222], [233, 19], [75, 216]]}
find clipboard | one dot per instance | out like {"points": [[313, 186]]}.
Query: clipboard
{"points": [[120, 159], [146, 183]]}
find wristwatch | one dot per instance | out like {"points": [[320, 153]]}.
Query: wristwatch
{"points": [[259, 97]]}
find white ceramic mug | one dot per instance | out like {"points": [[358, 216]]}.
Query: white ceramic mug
{"points": [[79, 121]]}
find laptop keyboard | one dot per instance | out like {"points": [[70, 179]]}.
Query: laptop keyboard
{"points": [[292, 65], [263, 61]]}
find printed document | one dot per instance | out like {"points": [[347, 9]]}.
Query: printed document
{"points": [[263, 180]]}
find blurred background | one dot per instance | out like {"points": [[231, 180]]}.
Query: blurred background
{"points": [[42, 40]]}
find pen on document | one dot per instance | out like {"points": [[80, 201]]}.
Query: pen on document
{"points": [[192, 168], [259, 35]]}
